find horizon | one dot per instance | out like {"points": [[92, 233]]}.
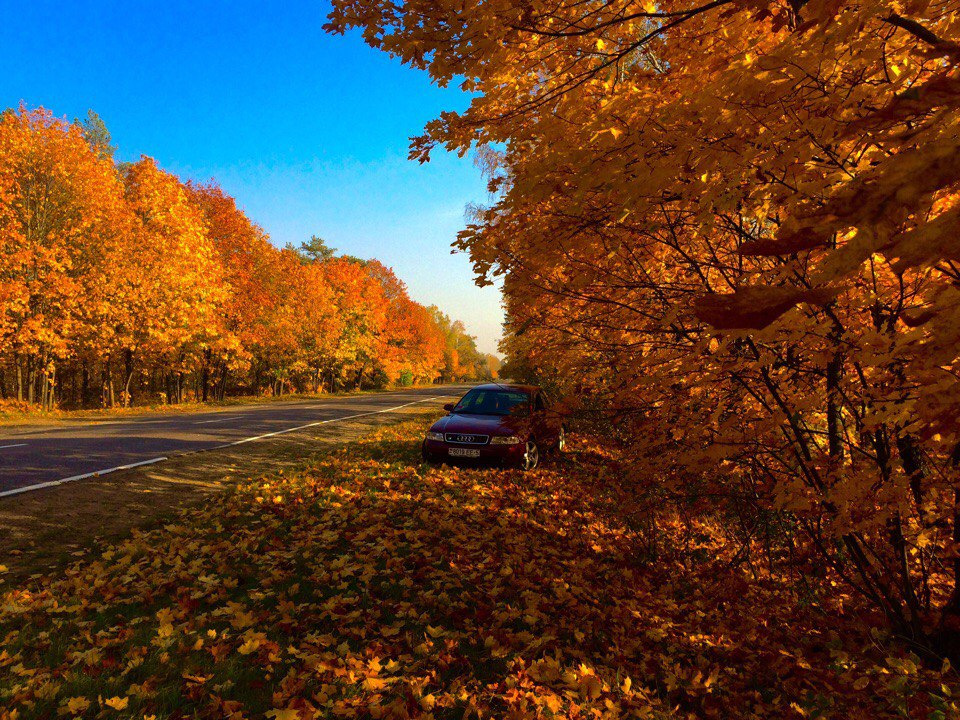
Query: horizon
{"points": [[309, 134]]}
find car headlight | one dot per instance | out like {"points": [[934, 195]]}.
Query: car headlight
{"points": [[435, 436], [505, 440]]}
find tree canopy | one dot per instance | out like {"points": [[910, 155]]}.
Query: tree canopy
{"points": [[733, 227]]}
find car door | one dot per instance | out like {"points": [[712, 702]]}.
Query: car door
{"points": [[551, 419], [541, 422]]}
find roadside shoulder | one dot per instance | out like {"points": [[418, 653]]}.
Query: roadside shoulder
{"points": [[43, 530]]}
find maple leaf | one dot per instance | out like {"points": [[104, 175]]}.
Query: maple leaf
{"points": [[77, 705], [117, 703], [284, 714]]}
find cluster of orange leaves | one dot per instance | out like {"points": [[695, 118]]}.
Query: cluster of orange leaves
{"points": [[733, 227], [370, 585]]}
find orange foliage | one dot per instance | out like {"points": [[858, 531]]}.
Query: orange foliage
{"points": [[61, 214], [125, 273], [733, 227]]}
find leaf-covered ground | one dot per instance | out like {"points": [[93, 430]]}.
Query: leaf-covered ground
{"points": [[375, 586]]}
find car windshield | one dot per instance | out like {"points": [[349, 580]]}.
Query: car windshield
{"points": [[493, 402]]}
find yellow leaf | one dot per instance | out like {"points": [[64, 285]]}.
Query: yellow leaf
{"points": [[552, 702], [590, 687], [249, 646], [372, 683], [117, 703], [286, 714], [77, 705]]}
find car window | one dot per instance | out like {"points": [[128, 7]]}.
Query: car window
{"points": [[493, 402]]}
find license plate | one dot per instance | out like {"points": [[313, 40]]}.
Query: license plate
{"points": [[463, 452]]}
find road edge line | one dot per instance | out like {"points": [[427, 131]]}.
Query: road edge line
{"points": [[325, 422], [84, 476]]}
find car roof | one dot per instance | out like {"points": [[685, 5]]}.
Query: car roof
{"points": [[529, 389]]}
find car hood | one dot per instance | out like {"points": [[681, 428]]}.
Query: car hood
{"points": [[478, 424]]}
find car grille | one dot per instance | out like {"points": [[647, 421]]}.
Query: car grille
{"points": [[465, 439]]}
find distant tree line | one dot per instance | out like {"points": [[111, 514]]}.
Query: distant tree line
{"points": [[121, 284]]}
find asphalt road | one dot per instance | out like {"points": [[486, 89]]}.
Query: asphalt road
{"points": [[31, 456]]}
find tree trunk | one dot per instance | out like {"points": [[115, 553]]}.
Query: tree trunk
{"points": [[104, 394], [109, 398], [128, 372], [43, 390], [205, 376], [834, 420], [222, 387], [19, 380], [52, 391], [31, 382]]}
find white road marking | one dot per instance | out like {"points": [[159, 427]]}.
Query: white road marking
{"points": [[95, 473], [325, 422], [4, 447], [204, 422]]}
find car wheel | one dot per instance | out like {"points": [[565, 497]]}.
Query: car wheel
{"points": [[531, 456], [562, 440]]}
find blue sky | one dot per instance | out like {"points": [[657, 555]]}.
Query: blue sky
{"points": [[308, 131]]}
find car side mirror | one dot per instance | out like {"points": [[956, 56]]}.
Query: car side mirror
{"points": [[448, 407]]}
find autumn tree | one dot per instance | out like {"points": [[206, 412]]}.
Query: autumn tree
{"points": [[462, 360], [119, 284], [166, 300], [314, 250], [734, 224], [97, 135], [414, 351], [61, 210], [249, 270], [494, 364]]}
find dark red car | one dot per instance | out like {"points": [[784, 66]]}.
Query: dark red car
{"points": [[503, 424]]}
